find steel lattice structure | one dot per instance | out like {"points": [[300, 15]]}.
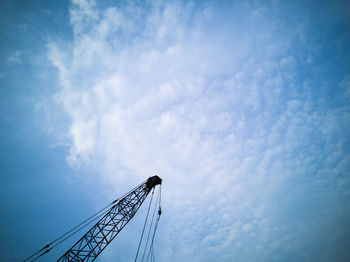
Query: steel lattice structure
{"points": [[106, 229]]}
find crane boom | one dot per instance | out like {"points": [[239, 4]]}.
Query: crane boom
{"points": [[105, 230]]}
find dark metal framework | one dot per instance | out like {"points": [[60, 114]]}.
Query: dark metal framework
{"points": [[105, 230]]}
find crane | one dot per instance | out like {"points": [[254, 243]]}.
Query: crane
{"points": [[122, 210], [106, 229]]}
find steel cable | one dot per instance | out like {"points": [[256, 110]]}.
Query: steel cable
{"points": [[151, 225], [151, 249], [144, 226]]}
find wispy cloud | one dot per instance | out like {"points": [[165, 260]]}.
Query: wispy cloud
{"points": [[15, 58], [218, 103]]}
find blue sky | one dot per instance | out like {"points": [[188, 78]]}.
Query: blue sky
{"points": [[242, 108]]}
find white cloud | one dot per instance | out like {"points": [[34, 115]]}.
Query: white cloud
{"points": [[224, 123], [15, 58]]}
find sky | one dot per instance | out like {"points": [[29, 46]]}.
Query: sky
{"points": [[241, 107]]}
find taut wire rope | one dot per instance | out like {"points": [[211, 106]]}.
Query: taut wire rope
{"points": [[144, 226], [151, 249], [151, 225]]}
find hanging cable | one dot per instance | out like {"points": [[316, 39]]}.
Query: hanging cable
{"points": [[144, 226], [151, 249], [151, 225]]}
